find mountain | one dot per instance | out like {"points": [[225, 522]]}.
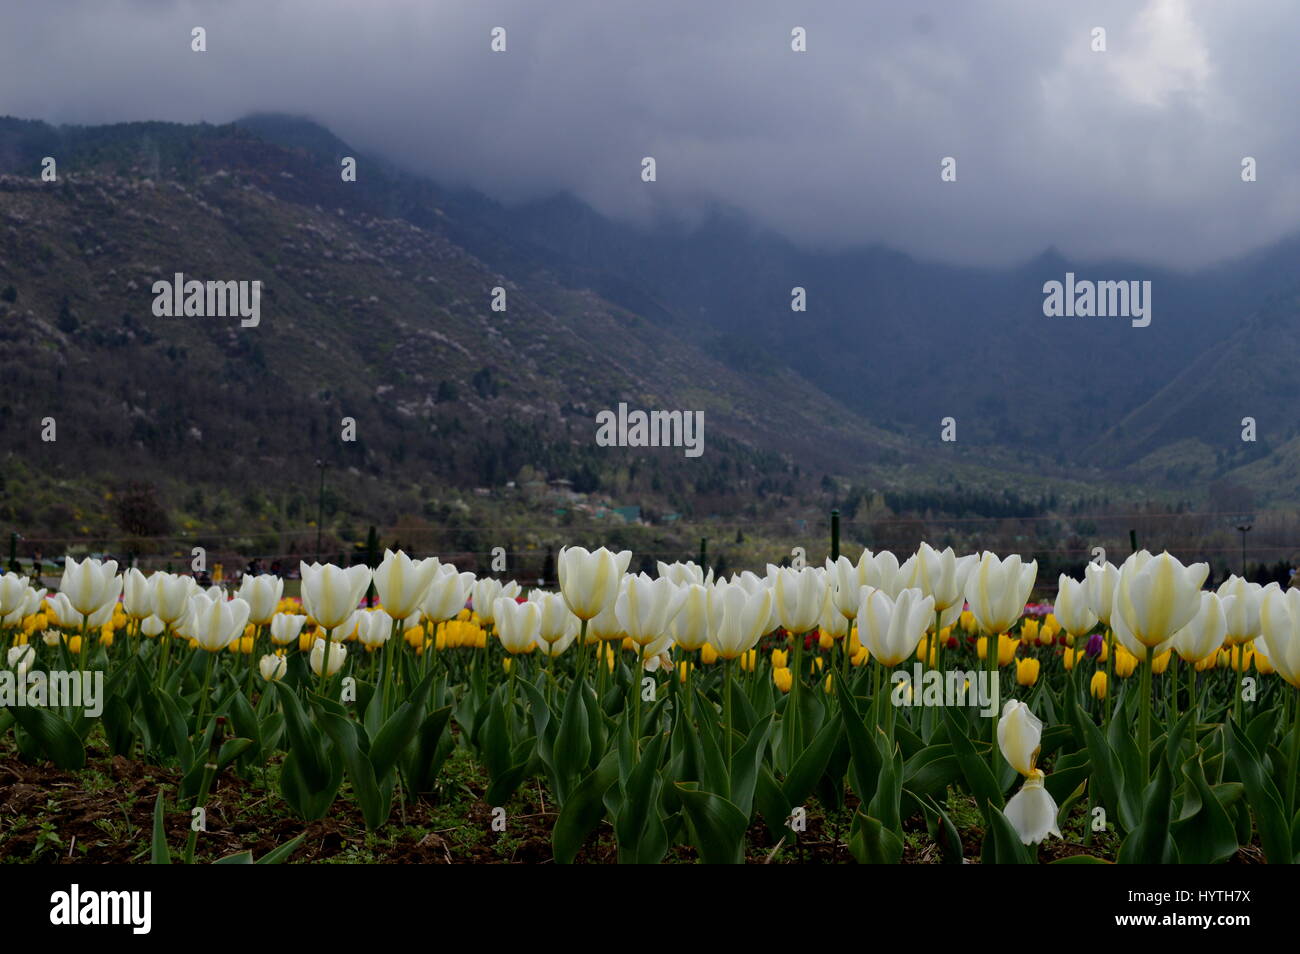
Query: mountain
{"points": [[377, 307]]}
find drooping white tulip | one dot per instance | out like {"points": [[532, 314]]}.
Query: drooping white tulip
{"points": [[1020, 734], [1032, 810]]}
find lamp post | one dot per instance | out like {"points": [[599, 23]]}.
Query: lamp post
{"points": [[1244, 528]]}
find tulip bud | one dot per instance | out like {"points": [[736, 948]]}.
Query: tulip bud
{"points": [[273, 667]]}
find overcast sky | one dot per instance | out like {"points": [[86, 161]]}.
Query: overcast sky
{"points": [[1133, 152]]}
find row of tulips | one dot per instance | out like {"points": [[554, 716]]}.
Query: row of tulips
{"points": [[684, 710]]}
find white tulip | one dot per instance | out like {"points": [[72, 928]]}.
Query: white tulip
{"points": [[1242, 615], [941, 575], [330, 594], [645, 607], [171, 596], [1032, 811], [152, 626], [262, 593], [684, 574], [20, 658], [1101, 580], [1157, 596], [487, 591], [555, 620], [798, 596], [1073, 609], [90, 584], [374, 628], [1205, 633], [845, 587], [518, 625], [892, 629], [215, 624], [737, 618], [286, 627], [997, 590], [13, 591], [1279, 619], [137, 594], [590, 580], [338, 653], [447, 593], [1020, 735], [691, 624], [402, 583], [882, 572], [273, 667]]}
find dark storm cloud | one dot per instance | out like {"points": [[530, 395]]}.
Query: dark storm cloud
{"points": [[1133, 152]]}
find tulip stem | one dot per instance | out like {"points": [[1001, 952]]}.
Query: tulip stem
{"points": [[726, 709], [1110, 659], [1294, 768], [991, 648], [1235, 660], [1144, 718], [937, 646], [203, 694]]}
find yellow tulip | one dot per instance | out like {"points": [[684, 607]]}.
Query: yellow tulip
{"points": [[708, 655], [748, 660], [783, 678], [1027, 671], [780, 658], [825, 640], [1097, 687], [1125, 662], [1160, 663], [1069, 657]]}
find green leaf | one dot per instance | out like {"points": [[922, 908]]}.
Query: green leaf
{"points": [[304, 741], [717, 826], [281, 853], [57, 740], [811, 763], [979, 777], [1002, 845], [159, 854], [1150, 843], [375, 800], [573, 742], [1262, 797], [1205, 834], [873, 843], [583, 810]]}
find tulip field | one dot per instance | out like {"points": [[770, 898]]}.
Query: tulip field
{"points": [[878, 711]]}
